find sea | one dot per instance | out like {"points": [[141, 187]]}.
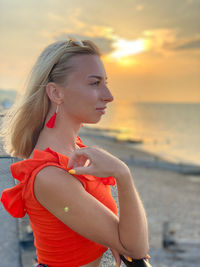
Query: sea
{"points": [[169, 130]]}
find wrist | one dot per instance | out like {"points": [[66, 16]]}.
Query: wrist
{"points": [[122, 173]]}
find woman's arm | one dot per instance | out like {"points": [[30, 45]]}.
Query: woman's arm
{"points": [[55, 189], [133, 228]]}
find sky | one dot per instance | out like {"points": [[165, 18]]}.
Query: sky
{"points": [[151, 49]]}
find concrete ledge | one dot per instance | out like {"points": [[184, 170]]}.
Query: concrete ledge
{"points": [[9, 244]]}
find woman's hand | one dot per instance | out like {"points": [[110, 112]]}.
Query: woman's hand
{"points": [[116, 256], [101, 163]]}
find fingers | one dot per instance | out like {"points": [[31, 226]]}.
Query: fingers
{"points": [[116, 256], [82, 161], [79, 157], [81, 170], [128, 258], [86, 170], [147, 257]]}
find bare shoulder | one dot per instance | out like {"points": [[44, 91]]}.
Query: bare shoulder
{"points": [[56, 189], [54, 174], [53, 180]]}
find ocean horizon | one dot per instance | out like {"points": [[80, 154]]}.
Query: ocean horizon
{"points": [[169, 130]]}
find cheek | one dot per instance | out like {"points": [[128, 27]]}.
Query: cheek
{"points": [[81, 100], [86, 96]]}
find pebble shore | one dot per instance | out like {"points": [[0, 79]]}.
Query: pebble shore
{"points": [[167, 196]]}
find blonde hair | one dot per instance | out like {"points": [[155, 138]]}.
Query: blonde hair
{"points": [[23, 123]]}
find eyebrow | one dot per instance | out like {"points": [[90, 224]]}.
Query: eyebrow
{"points": [[96, 76]]}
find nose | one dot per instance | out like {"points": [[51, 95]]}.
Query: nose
{"points": [[106, 95]]}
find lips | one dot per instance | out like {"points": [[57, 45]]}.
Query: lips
{"points": [[101, 108]]}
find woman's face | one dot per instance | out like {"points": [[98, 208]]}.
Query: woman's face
{"points": [[86, 89]]}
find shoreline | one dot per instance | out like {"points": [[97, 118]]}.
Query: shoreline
{"points": [[168, 196], [132, 155]]}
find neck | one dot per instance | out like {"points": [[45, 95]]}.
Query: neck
{"points": [[62, 137]]}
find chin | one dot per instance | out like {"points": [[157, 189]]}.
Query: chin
{"points": [[92, 121]]}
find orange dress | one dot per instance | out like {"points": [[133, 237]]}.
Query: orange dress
{"points": [[56, 244]]}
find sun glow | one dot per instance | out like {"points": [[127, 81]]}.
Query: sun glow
{"points": [[124, 48], [126, 61]]}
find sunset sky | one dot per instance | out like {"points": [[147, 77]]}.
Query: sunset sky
{"points": [[151, 48]]}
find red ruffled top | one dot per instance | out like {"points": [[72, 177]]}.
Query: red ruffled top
{"points": [[56, 244]]}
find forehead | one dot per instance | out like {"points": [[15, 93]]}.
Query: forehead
{"points": [[87, 65]]}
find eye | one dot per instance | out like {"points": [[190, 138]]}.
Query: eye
{"points": [[96, 83]]}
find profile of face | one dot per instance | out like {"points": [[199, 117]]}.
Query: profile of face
{"points": [[86, 90]]}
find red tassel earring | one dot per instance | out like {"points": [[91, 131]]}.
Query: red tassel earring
{"points": [[51, 122]]}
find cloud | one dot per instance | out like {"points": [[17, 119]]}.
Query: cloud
{"points": [[189, 1], [139, 7], [74, 22], [159, 39], [167, 41], [103, 36], [163, 41], [189, 45], [104, 44]]}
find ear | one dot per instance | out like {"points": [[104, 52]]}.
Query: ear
{"points": [[54, 93]]}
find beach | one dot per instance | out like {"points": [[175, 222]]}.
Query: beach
{"points": [[167, 195]]}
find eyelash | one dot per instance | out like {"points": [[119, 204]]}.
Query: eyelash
{"points": [[97, 82]]}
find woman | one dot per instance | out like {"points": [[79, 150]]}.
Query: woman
{"points": [[64, 185]]}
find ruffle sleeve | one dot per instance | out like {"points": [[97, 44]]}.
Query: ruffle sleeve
{"points": [[12, 198]]}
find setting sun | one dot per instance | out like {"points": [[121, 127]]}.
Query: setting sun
{"points": [[124, 48]]}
